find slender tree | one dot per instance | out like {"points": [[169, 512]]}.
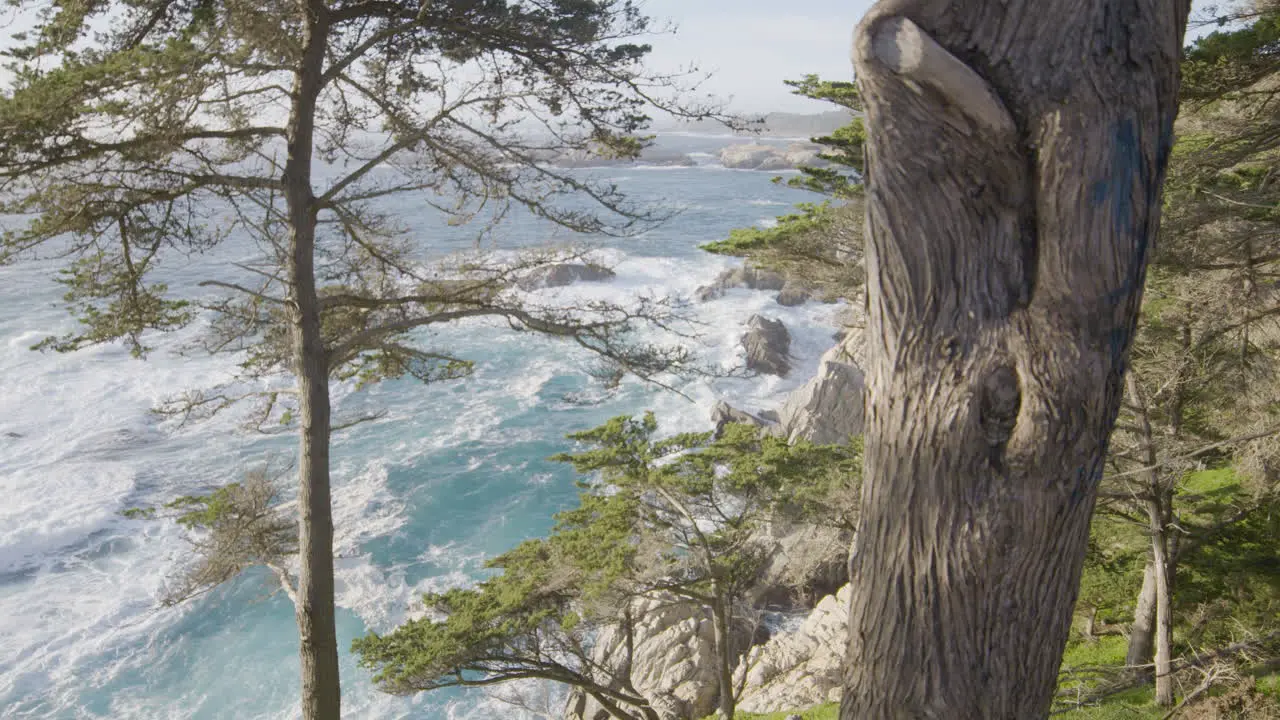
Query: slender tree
{"points": [[1015, 157], [133, 131]]}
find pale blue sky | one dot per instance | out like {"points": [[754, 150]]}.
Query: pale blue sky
{"points": [[750, 45], [753, 45]]}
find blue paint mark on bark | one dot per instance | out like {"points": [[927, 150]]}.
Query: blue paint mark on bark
{"points": [[1126, 164], [1099, 193], [1129, 176], [1165, 146], [1119, 341]]}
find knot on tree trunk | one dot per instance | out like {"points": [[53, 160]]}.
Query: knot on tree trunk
{"points": [[998, 406]]}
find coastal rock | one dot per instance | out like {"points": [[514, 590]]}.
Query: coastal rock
{"points": [[829, 408], [798, 154], [850, 322], [806, 563], [723, 414], [793, 294], [707, 293], [674, 663], [746, 156], [561, 274], [758, 156], [768, 345], [746, 276], [775, 162], [801, 668]]}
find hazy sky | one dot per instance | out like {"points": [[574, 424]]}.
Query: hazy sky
{"points": [[750, 45], [753, 45]]}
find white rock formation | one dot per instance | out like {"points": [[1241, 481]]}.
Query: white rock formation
{"points": [[757, 156], [829, 408], [796, 670], [746, 156], [674, 664]]}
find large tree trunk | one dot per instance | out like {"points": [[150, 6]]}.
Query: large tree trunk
{"points": [[318, 642], [1015, 156]]}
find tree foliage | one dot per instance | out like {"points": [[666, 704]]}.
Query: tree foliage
{"points": [[231, 529], [671, 519], [819, 243], [1192, 461]]}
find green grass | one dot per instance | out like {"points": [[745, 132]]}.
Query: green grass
{"points": [[1209, 481], [1106, 650], [1135, 704], [1269, 685], [818, 712]]}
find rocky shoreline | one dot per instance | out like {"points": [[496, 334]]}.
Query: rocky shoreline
{"points": [[674, 662]]}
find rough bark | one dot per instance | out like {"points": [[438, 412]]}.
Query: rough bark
{"points": [[318, 643], [1015, 158]]}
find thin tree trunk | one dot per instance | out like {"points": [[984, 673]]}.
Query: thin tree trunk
{"points": [[318, 643], [1164, 617], [724, 655], [1142, 632], [1158, 505], [1015, 157], [1090, 624]]}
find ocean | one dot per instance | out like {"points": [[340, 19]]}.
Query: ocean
{"points": [[454, 474]]}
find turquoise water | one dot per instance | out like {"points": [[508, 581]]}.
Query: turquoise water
{"points": [[454, 474]]}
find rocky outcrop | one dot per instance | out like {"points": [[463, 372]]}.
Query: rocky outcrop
{"points": [[806, 563], [798, 669], [674, 665], [828, 409], [768, 346], [561, 274], [793, 294], [745, 277], [675, 660], [755, 156], [746, 156], [792, 291], [723, 414]]}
